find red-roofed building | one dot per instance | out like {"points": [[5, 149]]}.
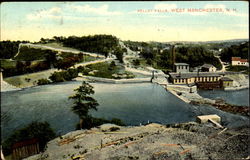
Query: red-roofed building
{"points": [[237, 61]]}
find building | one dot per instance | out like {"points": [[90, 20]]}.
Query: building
{"points": [[237, 61], [208, 68], [181, 67], [25, 149], [192, 77], [226, 82]]}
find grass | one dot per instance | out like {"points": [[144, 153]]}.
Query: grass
{"points": [[28, 80], [31, 54], [57, 45], [6, 63], [238, 68], [86, 58], [104, 70]]}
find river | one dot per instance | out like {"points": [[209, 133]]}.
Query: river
{"points": [[133, 103], [238, 97]]}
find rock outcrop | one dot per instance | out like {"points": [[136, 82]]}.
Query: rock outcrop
{"points": [[153, 141]]}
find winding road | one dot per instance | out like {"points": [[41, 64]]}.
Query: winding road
{"points": [[56, 49]]}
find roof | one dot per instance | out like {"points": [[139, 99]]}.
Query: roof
{"points": [[207, 65], [25, 143], [194, 74], [239, 59], [226, 79], [181, 64]]}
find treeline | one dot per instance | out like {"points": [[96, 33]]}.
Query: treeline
{"points": [[194, 55], [100, 44], [44, 59], [9, 48], [240, 50]]}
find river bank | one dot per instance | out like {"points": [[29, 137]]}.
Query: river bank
{"points": [[196, 99]]}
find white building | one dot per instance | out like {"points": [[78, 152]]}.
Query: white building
{"points": [[181, 67], [237, 61], [208, 68]]}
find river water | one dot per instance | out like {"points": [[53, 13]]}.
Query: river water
{"points": [[239, 97], [133, 103]]}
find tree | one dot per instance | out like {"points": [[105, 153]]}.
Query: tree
{"points": [[83, 102], [136, 62], [50, 58], [40, 130]]}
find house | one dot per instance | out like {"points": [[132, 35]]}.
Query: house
{"points": [[181, 67], [192, 77], [208, 68], [237, 61], [25, 149], [226, 82]]}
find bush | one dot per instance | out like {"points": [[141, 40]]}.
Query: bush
{"points": [[90, 122], [238, 68], [39, 130], [62, 76], [136, 62], [43, 81], [57, 77]]}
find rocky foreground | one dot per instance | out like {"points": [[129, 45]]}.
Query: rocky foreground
{"points": [[154, 141]]}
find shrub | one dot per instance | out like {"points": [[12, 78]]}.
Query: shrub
{"points": [[90, 122], [62, 76], [237, 68], [57, 77], [43, 81]]}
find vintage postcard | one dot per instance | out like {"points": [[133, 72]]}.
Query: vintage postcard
{"points": [[147, 80]]}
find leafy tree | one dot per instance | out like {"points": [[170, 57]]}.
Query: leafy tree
{"points": [[83, 102], [39, 130], [9, 48], [112, 65], [240, 50], [57, 77], [136, 62], [101, 44], [70, 74], [50, 58], [119, 54], [20, 66], [43, 81]]}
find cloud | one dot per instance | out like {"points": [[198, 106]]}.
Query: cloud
{"points": [[102, 10], [52, 13]]}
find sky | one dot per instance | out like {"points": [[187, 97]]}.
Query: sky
{"points": [[161, 21]]}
